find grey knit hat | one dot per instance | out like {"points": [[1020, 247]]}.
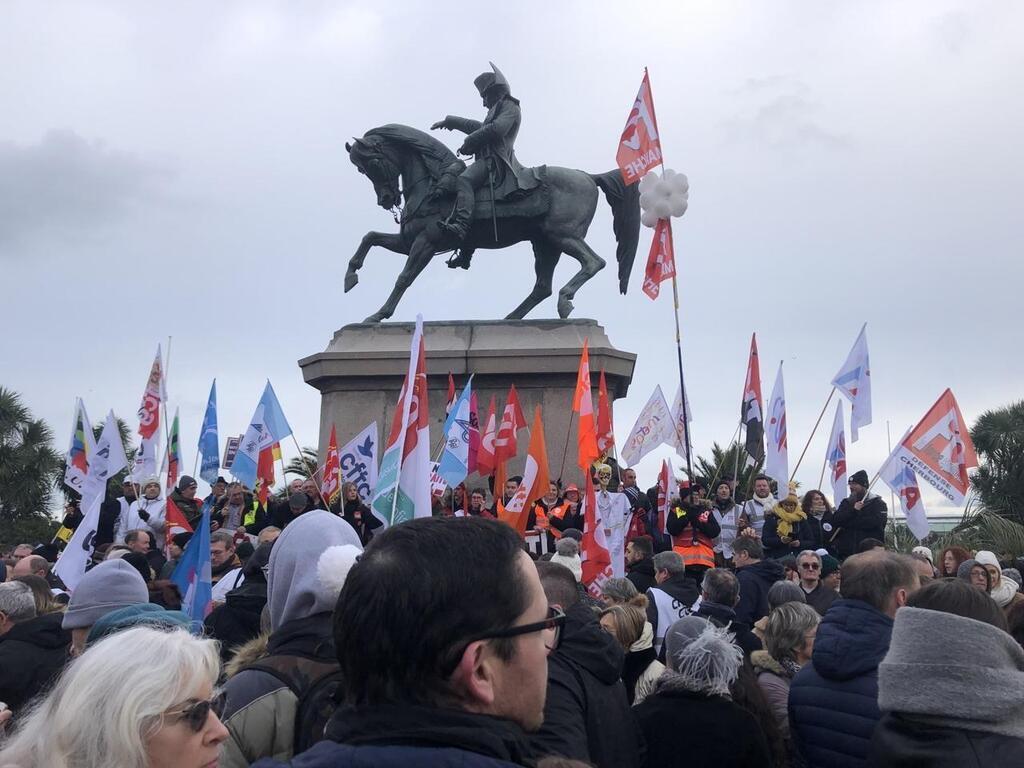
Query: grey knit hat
{"points": [[111, 585]]}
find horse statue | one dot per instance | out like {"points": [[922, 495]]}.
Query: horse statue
{"points": [[410, 166]]}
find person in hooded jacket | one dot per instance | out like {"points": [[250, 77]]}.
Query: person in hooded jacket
{"points": [[1003, 590], [756, 576], [970, 715], [833, 701], [237, 620], [33, 648], [307, 569], [586, 714]]}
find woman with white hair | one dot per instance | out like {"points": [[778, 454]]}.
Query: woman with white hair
{"points": [[788, 640], [692, 700], [114, 707]]}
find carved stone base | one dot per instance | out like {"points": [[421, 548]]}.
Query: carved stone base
{"points": [[360, 374]]}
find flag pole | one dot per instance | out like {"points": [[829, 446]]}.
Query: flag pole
{"points": [[565, 450], [318, 491], [808, 443], [163, 403], [679, 360], [736, 467], [823, 465], [718, 469], [888, 444]]}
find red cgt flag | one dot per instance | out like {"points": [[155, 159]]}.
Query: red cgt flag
{"points": [[661, 262], [512, 420], [605, 436], [639, 147], [664, 494], [485, 463], [583, 404], [597, 561], [331, 486]]}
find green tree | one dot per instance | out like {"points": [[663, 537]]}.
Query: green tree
{"points": [[28, 463], [723, 463], [304, 465], [998, 437]]}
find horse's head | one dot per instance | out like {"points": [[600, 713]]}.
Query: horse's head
{"points": [[368, 155]]}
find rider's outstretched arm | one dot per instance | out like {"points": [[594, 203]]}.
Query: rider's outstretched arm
{"points": [[463, 124]]}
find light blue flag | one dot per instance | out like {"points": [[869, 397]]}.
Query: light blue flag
{"points": [[268, 426], [194, 575], [209, 445], [454, 464]]}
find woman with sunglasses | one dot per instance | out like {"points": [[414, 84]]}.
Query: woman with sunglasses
{"points": [[114, 707]]}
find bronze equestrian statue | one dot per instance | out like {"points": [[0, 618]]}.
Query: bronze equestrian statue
{"points": [[441, 205]]}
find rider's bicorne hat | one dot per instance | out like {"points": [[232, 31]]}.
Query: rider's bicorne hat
{"points": [[490, 79]]}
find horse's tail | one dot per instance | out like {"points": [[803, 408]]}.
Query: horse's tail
{"points": [[624, 200]]}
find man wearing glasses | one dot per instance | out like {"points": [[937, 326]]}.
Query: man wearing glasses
{"points": [[819, 597], [442, 632]]}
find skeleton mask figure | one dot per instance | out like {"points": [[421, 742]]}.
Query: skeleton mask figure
{"points": [[604, 476]]}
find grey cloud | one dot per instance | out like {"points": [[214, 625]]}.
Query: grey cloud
{"points": [[779, 111], [66, 186]]}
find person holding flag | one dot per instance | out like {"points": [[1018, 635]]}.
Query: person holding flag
{"points": [[861, 515]]}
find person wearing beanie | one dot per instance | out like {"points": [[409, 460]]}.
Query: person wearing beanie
{"points": [[955, 701], [111, 585], [184, 498], [141, 615], [727, 512], [861, 515], [831, 573], [924, 552], [567, 553], [178, 543], [690, 720], [307, 567], [1003, 590]]}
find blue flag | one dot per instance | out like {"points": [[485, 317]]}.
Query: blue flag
{"points": [[194, 575], [209, 445], [454, 465], [267, 426]]}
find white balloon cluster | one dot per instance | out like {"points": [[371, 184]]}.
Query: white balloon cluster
{"points": [[663, 196]]}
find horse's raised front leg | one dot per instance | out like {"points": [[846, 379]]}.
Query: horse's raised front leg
{"points": [[545, 257], [420, 254], [393, 242], [590, 265]]}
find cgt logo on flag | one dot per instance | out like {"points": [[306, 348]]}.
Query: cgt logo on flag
{"points": [[639, 146], [661, 262]]}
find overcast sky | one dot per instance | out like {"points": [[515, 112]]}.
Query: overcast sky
{"points": [[178, 169]]}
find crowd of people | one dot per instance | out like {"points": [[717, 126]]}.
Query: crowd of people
{"points": [[745, 632]]}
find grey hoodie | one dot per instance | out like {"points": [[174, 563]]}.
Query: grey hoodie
{"points": [[955, 672], [294, 586]]}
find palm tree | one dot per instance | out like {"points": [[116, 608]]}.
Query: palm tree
{"points": [[998, 437], [304, 465], [28, 461], [723, 463]]}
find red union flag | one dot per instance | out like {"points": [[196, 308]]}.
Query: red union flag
{"points": [[661, 263], [639, 147], [331, 486], [939, 449]]}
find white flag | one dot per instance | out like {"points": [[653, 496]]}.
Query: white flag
{"points": [[776, 463], [836, 457], [81, 449], [358, 459], [145, 463], [654, 426], [854, 381], [898, 475], [108, 460], [680, 425]]}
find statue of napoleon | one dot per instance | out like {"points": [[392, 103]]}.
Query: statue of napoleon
{"points": [[443, 205]]}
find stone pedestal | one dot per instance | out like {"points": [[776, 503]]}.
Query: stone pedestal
{"points": [[361, 372]]}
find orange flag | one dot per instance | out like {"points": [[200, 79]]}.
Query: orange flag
{"points": [[605, 436], [639, 146], [512, 420], [535, 477], [583, 405], [485, 455]]}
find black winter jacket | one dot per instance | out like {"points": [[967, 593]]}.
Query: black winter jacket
{"points": [[32, 654], [775, 548], [833, 701], [723, 616], [587, 715], [641, 573], [691, 730], [755, 581], [852, 526], [237, 621], [904, 742]]}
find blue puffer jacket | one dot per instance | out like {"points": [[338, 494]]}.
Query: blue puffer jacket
{"points": [[833, 701]]}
